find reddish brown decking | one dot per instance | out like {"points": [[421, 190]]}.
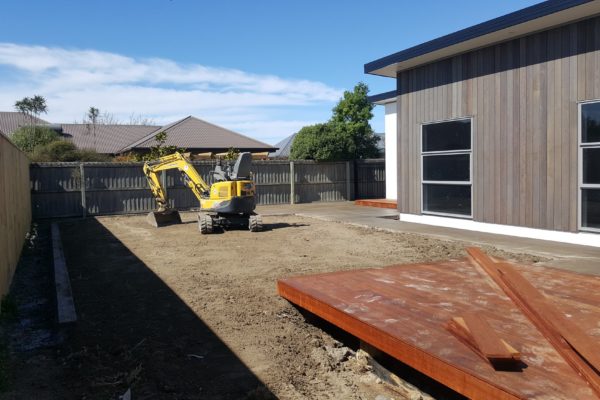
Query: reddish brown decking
{"points": [[380, 203], [402, 310]]}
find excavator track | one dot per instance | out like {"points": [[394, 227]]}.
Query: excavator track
{"points": [[255, 223]]}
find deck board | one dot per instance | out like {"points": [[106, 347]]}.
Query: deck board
{"points": [[379, 203], [402, 310]]}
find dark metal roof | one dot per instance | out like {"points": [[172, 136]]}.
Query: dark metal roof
{"points": [[10, 121], [107, 139], [284, 147], [194, 133], [506, 21]]}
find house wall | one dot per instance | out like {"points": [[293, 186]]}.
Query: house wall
{"points": [[391, 151], [15, 209], [523, 97]]}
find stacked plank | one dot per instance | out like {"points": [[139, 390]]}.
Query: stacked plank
{"points": [[483, 327]]}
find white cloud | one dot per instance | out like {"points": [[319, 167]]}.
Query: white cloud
{"points": [[266, 107]]}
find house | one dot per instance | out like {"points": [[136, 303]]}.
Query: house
{"points": [[190, 133], [284, 148], [106, 139], [199, 136], [10, 121], [496, 127]]}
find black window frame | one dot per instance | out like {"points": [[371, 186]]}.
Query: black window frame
{"points": [[468, 183], [583, 185]]}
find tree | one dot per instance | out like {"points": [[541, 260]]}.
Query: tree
{"points": [[321, 142], [27, 138], [347, 135], [32, 107], [351, 117], [92, 116], [232, 154]]}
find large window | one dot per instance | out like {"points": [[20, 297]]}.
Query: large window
{"points": [[589, 158], [446, 168]]}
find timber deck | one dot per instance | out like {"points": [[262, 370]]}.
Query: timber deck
{"points": [[379, 203], [404, 310]]}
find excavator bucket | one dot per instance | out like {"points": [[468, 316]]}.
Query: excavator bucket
{"points": [[163, 218]]}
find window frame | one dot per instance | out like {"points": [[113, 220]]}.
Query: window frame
{"points": [[469, 183], [580, 185]]}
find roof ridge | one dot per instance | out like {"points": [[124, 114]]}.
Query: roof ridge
{"points": [[235, 133], [153, 133]]}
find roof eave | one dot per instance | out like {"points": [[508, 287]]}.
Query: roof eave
{"points": [[520, 23]]}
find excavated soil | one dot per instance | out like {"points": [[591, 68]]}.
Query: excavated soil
{"points": [[172, 314]]}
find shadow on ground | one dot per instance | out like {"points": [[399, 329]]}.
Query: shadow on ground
{"points": [[134, 332]]}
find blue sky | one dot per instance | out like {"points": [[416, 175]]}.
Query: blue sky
{"points": [[262, 68]]}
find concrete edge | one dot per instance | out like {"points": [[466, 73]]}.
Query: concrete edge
{"points": [[64, 296], [440, 237]]}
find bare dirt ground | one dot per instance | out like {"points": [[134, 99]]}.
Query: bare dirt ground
{"points": [[173, 314]]}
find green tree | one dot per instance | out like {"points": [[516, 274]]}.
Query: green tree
{"points": [[347, 135], [32, 107], [232, 154], [27, 138]]}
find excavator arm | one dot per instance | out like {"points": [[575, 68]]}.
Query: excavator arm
{"points": [[178, 161]]}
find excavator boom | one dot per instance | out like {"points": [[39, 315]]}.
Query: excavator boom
{"points": [[164, 215], [230, 201]]}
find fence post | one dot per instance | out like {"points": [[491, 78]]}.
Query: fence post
{"points": [[82, 188], [348, 181], [292, 184]]}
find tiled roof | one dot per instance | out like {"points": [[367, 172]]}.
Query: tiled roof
{"points": [[10, 121], [194, 133], [108, 139]]}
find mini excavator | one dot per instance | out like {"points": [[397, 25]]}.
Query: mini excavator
{"points": [[229, 201]]}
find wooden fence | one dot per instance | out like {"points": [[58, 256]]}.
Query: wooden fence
{"points": [[15, 209], [121, 188]]}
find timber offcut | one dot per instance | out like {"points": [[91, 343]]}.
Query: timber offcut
{"points": [[408, 311], [379, 203]]}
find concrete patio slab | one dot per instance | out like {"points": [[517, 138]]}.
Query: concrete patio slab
{"points": [[582, 259]]}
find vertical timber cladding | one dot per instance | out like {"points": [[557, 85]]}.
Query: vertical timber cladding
{"points": [[523, 97], [15, 209]]}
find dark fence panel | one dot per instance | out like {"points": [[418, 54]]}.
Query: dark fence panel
{"points": [[370, 179], [121, 188]]}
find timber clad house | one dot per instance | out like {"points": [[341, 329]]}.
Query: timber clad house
{"points": [[496, 128]]}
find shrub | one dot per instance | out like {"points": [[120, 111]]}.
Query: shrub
{"points": [[27, 138]]}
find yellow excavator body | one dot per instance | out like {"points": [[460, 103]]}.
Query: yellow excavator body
{"points": [[229, 201]]}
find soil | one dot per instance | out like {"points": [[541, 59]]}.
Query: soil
{"points": [[172, 314]]}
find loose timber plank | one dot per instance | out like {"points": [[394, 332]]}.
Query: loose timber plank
{"points": [[459, 329], [479, 335], [505, 277], [64, 296]]}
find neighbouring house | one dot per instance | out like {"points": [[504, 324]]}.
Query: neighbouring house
{"points": [[190, 133], [496, 127], [198, 136], [10, 121], [284, 148], [106, 139]]}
